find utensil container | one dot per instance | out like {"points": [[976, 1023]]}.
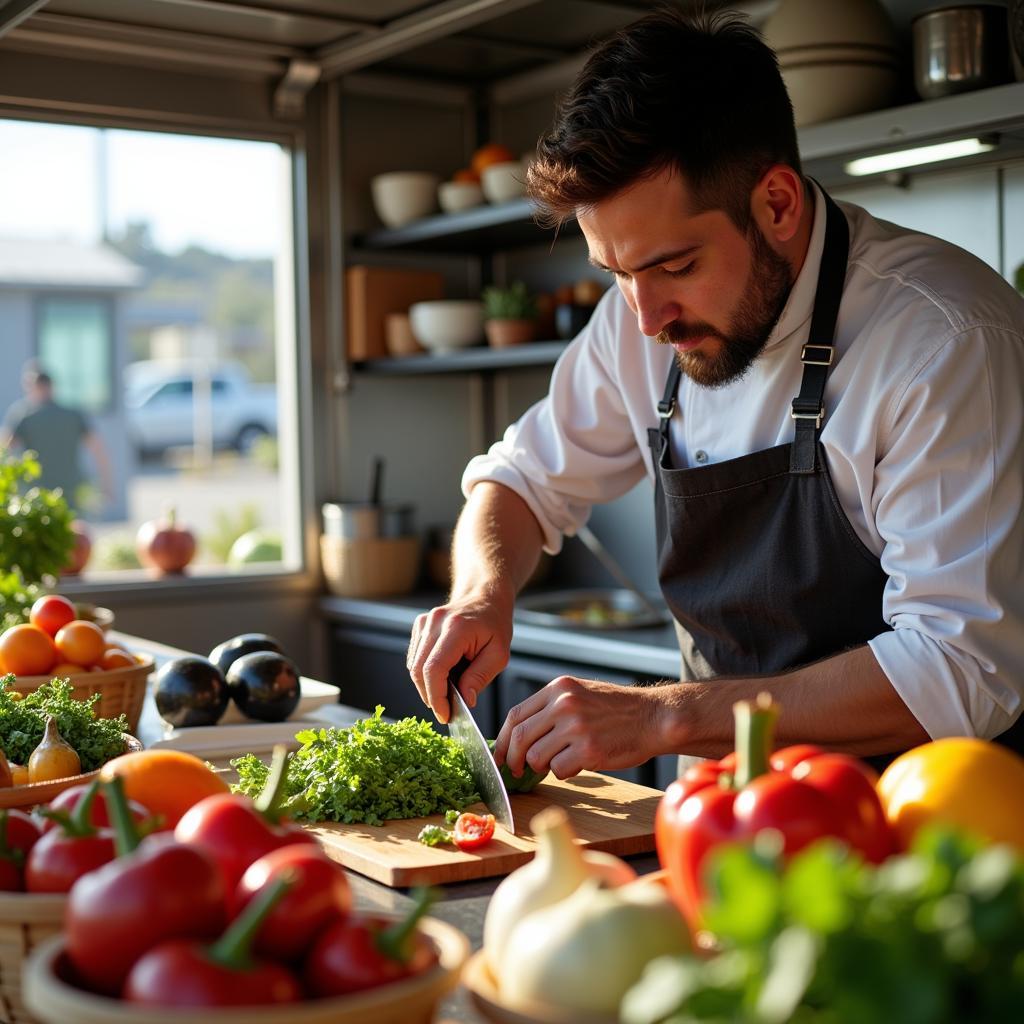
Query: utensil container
{"points": [[372, 567]]}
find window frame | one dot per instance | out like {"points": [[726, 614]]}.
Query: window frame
{"points": [[294, 376]]}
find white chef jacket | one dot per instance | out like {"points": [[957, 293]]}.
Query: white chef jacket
{"points": [[924, 438]]}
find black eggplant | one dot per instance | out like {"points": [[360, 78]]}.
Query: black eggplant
{"points": [[224, 655], [190, 691], [264, 685]]}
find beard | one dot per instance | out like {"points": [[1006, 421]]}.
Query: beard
{"points": [[764, 298]]}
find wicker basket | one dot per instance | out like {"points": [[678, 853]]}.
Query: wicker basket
{"points": [[26, 919], [483, 993], [121, 690], [34, 793], [54, 1000]]}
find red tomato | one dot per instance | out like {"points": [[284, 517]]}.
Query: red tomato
{"points": [[473, 830], [69, 799], [320, 894], [50, 612], [58, 860], [18, 834]]}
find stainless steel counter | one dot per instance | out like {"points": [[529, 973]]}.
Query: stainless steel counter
{"points": [[651, 652]]}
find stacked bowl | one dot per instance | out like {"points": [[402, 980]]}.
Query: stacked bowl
{"points": [[837, 59]]}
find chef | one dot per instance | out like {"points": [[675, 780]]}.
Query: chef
{"points": [[829, 407]]}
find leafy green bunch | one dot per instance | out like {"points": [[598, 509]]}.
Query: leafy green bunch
{"points": [[935, 936], [512, 303], [370, 772], [36, 539], [23, 721]]}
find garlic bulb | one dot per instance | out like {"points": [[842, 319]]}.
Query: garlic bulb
{"points": [[557, 869], [583, 953]]}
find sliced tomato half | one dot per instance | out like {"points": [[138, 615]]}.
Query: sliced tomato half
{"points": [[473, 830]]}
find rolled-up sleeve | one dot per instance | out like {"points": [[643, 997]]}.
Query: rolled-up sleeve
{"points": [[949, 498], [574, 448]]}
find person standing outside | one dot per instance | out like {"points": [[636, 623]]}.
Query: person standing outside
{"points": [[57, 435], [828, 406]]}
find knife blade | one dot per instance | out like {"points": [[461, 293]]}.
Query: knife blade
{"points": [[463, 729]]}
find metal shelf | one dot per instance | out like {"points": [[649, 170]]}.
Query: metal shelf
{"points": [[479, 230], [468, 360]]}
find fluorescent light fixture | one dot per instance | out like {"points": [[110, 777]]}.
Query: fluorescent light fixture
{"points": [[882, 162]]}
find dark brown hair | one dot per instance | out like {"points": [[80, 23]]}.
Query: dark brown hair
{"points": [[701, 93]]}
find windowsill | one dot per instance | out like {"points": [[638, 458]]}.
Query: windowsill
{"points": [[118, 587]]}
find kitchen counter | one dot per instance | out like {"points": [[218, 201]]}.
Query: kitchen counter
{"points": [[464, 904], [652, 652]]}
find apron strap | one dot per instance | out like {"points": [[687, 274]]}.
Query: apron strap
{"points": [[809, 407], [657, 437]]}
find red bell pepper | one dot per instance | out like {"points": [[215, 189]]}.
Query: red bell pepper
{"points": [[18, 834], [181, 973], [154, 891], [320, 894], [69, 851], [360, 953], [236, 831], [65, 802], [801, 792]]}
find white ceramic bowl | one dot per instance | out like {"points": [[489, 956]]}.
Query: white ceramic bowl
{"points": [[504, 181], [809, 23], [447, 324], [824, 92], [459, 195], [400, 197]]}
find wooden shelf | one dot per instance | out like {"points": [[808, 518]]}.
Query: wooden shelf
{"points": [[479, 230], [468, 360]]}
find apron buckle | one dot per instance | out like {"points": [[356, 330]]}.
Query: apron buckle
{"points": [[821, 360], [816, 416]]}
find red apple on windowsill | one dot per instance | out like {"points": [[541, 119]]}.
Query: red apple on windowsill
{"points": [[81, 551], [165, 545]]}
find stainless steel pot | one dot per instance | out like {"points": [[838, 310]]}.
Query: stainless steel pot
{"points": [[957, 49], [351, 520]]}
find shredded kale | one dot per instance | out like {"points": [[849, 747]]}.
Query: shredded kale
{"points": [[23, 720], [369, 773]]}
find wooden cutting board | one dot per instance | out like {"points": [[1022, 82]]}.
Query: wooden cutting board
{"points": [[605, 813]]}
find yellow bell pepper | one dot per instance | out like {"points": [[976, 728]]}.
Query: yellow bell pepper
{"points": [[960, 781]]}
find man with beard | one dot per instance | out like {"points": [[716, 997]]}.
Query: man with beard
{"points": [[829, 409]]}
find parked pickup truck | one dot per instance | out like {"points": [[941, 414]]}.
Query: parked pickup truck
{"points": [[161, 408]]}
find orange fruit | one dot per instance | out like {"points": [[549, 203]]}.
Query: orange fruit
{"points": [[81, 642], [466, 174], [27, 650], [166, 782], [117, 657], [492, 153], [68, 668]]}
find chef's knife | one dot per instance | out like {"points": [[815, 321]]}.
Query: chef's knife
{"points": [[463, 729]]}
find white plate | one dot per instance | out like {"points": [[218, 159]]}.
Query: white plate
{"points": [[219, 743]]}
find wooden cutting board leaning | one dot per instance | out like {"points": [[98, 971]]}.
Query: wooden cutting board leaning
{"points": [[605, 813]]}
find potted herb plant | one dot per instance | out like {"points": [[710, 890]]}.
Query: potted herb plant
{"points": [[510, 315], [36, 537]]}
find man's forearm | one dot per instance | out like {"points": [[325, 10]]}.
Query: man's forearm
{"points": [[497, 542], [843, 703]]}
